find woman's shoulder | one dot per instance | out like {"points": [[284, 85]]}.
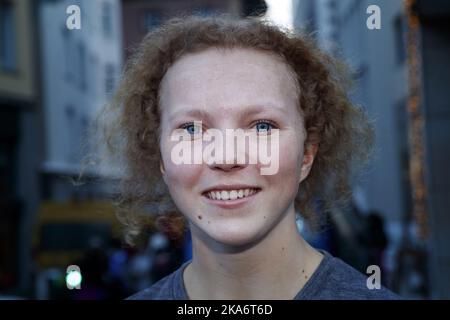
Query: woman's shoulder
{"points": [[336, 280], [167, 288]]}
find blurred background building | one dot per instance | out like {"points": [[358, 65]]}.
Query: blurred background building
{"points": [[20, 152], [418, 252], [79, 72], [53, 80]]}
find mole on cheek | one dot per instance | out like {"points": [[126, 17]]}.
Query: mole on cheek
{"points": [[200, 217]]}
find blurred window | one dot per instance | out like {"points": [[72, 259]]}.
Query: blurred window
{"points": [[7, 36], [205, 11], [109, 78], [72, 236], [71, 131], [332, 5], [68, 62], [82, 66], [151, 20], [399, 40], [107, 18]]}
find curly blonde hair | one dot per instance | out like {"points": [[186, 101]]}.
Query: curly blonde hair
{"points": [[130, 125]]}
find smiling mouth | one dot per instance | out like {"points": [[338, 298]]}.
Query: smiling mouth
{"points": [[230, 195]]}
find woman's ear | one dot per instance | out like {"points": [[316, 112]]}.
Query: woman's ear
{"points": [[309, 153]]}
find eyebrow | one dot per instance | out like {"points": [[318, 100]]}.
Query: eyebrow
{"points": [[251, 110]]}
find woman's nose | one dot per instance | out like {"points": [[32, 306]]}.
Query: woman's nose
{"points": [[227, 167], [230, 151]]}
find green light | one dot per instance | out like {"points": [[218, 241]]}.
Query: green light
{"points": [[73, 279]]}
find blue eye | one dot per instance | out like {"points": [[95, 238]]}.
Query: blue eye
{"points": [[191, 128], [264, 125]]}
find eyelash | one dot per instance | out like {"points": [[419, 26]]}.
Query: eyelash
{"points": [[270, 122], [186, 125]]}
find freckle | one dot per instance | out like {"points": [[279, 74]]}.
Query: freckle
{"points": [[209, 221], [282, 248], [303, 271], [200, 217], [264, 217], [306, 277]]}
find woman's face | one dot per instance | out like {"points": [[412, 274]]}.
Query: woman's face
{"points": [[235, 89]]}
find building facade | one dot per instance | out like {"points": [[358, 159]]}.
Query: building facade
{"points": [[379, 59], [80, 70], [140, 16]]}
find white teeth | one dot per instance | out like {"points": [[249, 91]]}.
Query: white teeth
{"points": [[224, 195], [230, 194]]}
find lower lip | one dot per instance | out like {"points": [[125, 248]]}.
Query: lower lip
{"points": [[231, 204]]}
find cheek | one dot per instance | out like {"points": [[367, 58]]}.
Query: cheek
{"points": [[288, 177], [178, 176], [182, 176], [291, 154]]}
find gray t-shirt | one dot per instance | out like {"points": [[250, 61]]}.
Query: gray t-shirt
{"points": [[332, 280]]}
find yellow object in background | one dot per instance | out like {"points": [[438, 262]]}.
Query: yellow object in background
{"points": [[65, 230]]}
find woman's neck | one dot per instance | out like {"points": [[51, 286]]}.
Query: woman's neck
{"points": [[277, 267]]}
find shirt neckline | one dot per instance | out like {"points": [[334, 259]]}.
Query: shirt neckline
{"points": [[311, 286]]}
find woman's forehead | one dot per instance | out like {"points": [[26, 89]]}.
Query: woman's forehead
{"points": [[243, 76]]}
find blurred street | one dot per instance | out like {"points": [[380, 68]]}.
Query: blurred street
{"points": [[56, 75]]}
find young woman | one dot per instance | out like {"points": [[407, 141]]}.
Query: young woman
{"points": [[197, 75]]}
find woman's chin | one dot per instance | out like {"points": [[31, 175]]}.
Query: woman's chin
{"points": [[234, 238], [237, 232]]}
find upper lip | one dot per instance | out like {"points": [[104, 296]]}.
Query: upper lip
{"points": [[230, 187]]}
